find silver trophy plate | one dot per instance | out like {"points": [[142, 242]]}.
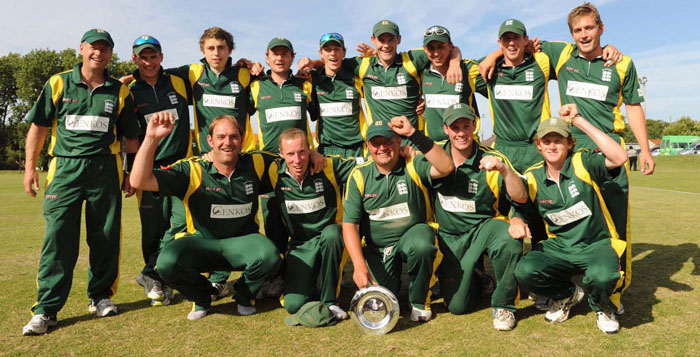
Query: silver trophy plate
{"points": [[375, 310]]}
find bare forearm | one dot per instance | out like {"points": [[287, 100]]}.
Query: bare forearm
{"points": [[142, 173], [33, 145], [612, 150], [514, 186], [638, 124]]}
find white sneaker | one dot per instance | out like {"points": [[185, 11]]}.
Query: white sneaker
{"points": [[338, 312], [168, 295], [197, 314], [418, 315], [271, 288], [224, 290], [151, 287], [607, 322], [104, 307], [559, 311], [39, 324], [503, 320], [246, 310]]}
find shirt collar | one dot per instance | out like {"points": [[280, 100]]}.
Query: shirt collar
{"points": [[502, 62], [213, 171], [469, 161], [566, 171], [77, 79], [137, 75], [397, 170]]}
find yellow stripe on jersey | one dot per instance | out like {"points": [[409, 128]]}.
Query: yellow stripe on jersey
{"points": [[195, 182], [544, 64], [51, 172], [563, 57], [621, 68], [411, 168], [194, 73], [272, 172], [356, 176], [492, 181], [259, 165], [583, 174], [56, 83], [329, 171]]}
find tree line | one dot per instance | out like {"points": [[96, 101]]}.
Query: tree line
{"points": [[21, 79]]}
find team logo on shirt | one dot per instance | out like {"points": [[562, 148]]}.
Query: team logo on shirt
{"points": [[173, 98], [173, 111], [572, 214], [230, 211], [573, 191], [297, 97], [318, 185], [586, 90], [219, 101], [281, 114], [392, 212], [248, 185], [87, 123], [530, 75], [337, 109], [381, 93], [473, 186], [349, 94], [235, 88], [513, 92], [109, 106], [440, 100], [401, 187], [459, 87], [456, 204], [607, 75], [401, 78], [305, 206]]}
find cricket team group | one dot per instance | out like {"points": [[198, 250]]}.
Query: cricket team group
{"points": [[402, 187]]}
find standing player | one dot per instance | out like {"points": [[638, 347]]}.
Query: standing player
{"points": [[598, 92], [221, 199], [89, 112], [155, 91], [472, 205], [565, 191], [312, 210], [438, 93], [387, 202]]}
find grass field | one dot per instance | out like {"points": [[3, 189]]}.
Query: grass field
{"points": [[662, 305]]}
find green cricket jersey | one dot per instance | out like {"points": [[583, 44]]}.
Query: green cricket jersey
{"points": [[281, 107], [342, 121], [573, 208], [386, 206], [169, 94], [394, 90], [470, 196], [309, 206], [518, 96], [597, 91], [439, 94], [215, 205], [84, 122], [214, 95]]}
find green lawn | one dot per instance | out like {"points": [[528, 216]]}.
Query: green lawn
{"points": [[661, 305]]}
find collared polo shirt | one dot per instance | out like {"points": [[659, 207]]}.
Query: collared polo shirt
{"points": [[342, 121]]}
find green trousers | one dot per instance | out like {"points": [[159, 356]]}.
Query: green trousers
{"points": [[350, 152], [418, 249], [461, 253], [182, 261], [547, 271], [155, 212], [520, 154], [320, 259], [96, 180]]}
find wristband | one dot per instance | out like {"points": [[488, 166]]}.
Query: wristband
{"points": [[422, 142], [130, 157], [571, 120]]}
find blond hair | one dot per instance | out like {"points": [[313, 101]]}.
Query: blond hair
{"points": [[216, 33], [584, 10]]}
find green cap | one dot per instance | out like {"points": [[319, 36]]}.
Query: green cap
{"points": [[379, 128], [385, 26], [553, 125], [95, 35], [280, 41], [457, 111], [144, 42], [512, 25], [436, 33], [312, 314], [332, 37]]}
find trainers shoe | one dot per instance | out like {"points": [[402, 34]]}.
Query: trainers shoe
{"points": [[503, 320], [338, 312], [151, 287], [559, 311], [39, 324], [168, 295], [607, 322], [224, 290], [542, 303], [246, 310], [418, 315], [271, 288], [197, 313], [104, 307]]}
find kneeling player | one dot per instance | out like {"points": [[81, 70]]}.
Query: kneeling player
{"points": [[565, 192]]}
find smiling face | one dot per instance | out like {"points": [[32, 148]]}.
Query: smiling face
{"points": [[95, 55], [386, 45], [332, 56], [513, 47], [216, 52], [438, 53], [554, 148], [461, 134], [384, 151], [586, 33], [225, 141], [148, 62], [295, 152], [279, 58]]}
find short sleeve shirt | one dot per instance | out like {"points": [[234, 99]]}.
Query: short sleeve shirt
{"points": [[341, 117]]}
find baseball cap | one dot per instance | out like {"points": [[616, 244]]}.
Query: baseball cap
{"points": [[332, 37], [312, 314], [512, 25], [280, 41], [457, 111], [385, 26], [436, 33], [553, 125], [145, 42], [95, 35], [379, 128]]}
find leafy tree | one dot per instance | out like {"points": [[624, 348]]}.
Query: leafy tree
{"points": [[8, 96], [683, 126]]}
